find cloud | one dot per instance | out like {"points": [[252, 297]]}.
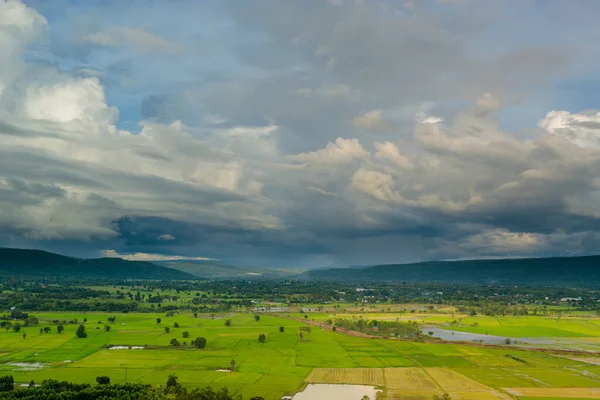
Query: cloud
{"points": [[371, 120], [151, 257], [166, 237], [340, 151], [583, 129], [133, 37]]}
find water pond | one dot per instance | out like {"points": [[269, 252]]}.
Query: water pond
{"points": [[336, 392]]}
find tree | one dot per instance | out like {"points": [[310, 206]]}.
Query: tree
{"points": [[7, 326], [24, 335], [158, 321], [167, 329], [175, 325], [257, 398], [112, 319], [81, 333], [31, 384], [281, 329], [41, 331], [256, 317], [507, 341], [47, 329], [60, 328], [195, 314], [174, 342], [232, 365], [106, 328], [103, 380], [16, 327], [172, 381], [7, 383], [185, 334], [228, 323], [262, 338], [199, 342], [84, 320]]}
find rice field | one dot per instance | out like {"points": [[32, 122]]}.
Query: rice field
{"points": [[283, 364]]}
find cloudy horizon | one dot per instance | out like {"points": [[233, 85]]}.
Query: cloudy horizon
{"points": [[301, 134]]}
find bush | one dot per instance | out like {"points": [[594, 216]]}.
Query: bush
{"points": [[199, 342], [7, 383], [262, 338], [81, 333], [103, 380], [281, 329], [172, 380], [185, 334]]}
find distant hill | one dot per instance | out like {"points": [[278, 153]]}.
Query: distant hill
{"points": [[216, 270], [555, 271], [21, 263]]}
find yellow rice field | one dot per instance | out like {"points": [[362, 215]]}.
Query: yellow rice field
{"points": [[452, 381], [357, 376], [408, 379]]}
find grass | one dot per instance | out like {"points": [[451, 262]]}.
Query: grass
{"points": [[283, 364]]}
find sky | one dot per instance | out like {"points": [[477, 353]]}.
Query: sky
{"points": [[304, 134]]}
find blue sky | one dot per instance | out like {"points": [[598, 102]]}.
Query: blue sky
{"points": [[289, 133]]}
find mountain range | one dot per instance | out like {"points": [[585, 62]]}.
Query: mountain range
{"points": [[552, 271]]}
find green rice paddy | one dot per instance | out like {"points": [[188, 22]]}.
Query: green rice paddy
{"points": [[280, 365]]}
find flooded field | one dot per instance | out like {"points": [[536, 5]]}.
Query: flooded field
{"points": [[457, 336]]}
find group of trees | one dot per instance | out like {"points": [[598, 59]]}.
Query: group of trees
{"points": [[407, 330], [53, 389], [198, 343]]}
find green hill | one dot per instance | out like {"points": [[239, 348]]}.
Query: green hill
{"points": [[555, 271], [20, 263]]}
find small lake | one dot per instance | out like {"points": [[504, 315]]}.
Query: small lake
{"points": [[336, 392]]}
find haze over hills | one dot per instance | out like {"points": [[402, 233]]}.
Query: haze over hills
{"points": [[20, 263], [217, 270], [554, 271]]}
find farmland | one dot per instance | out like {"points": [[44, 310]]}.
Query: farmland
{"points": [[283, 364]]}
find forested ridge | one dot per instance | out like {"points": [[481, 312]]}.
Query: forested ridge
{"points": [[21, 263]]}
